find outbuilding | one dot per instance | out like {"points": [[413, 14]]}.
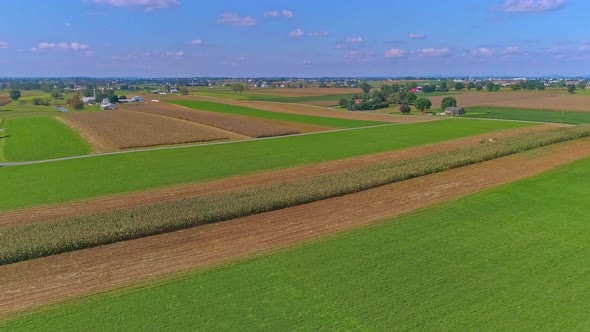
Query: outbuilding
{"points": [[454, 111]]}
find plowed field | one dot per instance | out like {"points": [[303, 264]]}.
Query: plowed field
{"points": [[242, 125], [48, 280], [548, 100], [125, 129]]}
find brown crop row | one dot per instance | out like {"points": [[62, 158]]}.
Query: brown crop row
{"points": [[237, 124], [4, 101], [127, 130]]}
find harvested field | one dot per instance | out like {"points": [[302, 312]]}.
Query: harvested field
{"points": [[52, 279], [118, 202], [242, 125], [317, 111], [99, 144], [547, 100], [4, 100], [125, 129]]}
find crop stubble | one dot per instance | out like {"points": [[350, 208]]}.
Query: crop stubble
{"points": [[242, 125], [125, 129]]}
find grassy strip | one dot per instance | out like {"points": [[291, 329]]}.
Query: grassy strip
{"points": [[505, 113], [43, 239], [298, 118], [513, 258], [37, 138]]}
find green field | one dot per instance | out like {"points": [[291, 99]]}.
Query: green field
{"points": [[119, 173], [38, 138], [228, 93], [488, 261], [252, 112], [569, 117]]}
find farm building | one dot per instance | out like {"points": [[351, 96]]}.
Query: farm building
{"points": [[88, 100], [137, 99], [174, 91], [454, 111]]}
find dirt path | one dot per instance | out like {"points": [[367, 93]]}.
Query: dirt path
{"points": [[99, 144], [314, 110], [115, 202], [52, 279]]}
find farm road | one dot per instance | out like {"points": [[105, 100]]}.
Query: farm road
{"points": [[57, 278]]}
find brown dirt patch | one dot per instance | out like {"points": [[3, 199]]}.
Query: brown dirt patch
{"points": [[125, 129], [48, 280], [4, 100], [98, 143], [117, 202], [547, 100], [248, 126]]}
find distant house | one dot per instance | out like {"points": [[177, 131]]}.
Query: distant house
{"points": [[454, 111], [416, 89], [174, 91], [157, 92], [358, 101], [137, 99]]}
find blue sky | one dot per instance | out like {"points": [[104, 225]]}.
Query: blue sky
{"points": [[185, 38]]}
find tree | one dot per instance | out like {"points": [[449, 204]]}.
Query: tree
{"points": [[343, 103], [14, 94], [581, 86], [423, 104], [56, 95], [470, 85], [428, 88], [478, 87], [490, 86], [496, 87], [459, 86], [405, 109], [411, 98], [113, 99], [75, 102], [516, 86], [366, 87], [448, 102], [442, 87], [183, 91], [238, 87], [571, 88]]}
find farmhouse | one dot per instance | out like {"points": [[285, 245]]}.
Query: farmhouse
{"points": [[137, 99], [88, 100], [454, 111]]}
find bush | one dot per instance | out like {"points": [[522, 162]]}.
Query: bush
{"points": [[448, 102], [405, 109]]}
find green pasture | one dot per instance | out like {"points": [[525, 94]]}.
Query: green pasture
{"points": [[252, 112], [569, 117], [39, 138], [228, 93], [516, 258], [119, 173]]}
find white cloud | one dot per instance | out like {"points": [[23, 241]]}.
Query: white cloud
{"points": [[280, 13], [531, 6], [483, 51], [236, 20], [434, 52], [416, 35], [197, 42], [177, 53], [511, 50], [584, 45], [360, 56], [296, 33], [63, 45], [354, 40], [394, 53], [147, 5], [3, 44], [318, 34]]}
